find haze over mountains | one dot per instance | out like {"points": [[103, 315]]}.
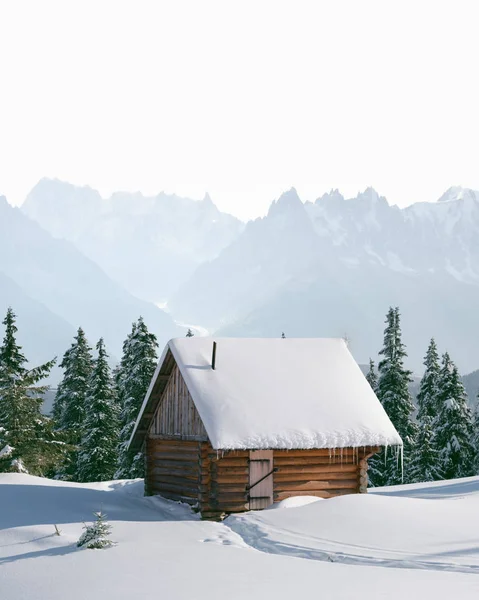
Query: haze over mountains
{"points": [[328, 268], [148, 244], [54, 288]]}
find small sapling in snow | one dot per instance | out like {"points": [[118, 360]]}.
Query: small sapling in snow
{"points": [[96, 535]]}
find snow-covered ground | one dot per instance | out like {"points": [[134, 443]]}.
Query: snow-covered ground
{"points": [[409, 542]]}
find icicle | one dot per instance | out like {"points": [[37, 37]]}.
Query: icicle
{"points": [[385, 453], [402, 463]]}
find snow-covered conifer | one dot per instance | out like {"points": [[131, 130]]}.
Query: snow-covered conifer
{"points": [[454, 424], [98, 453], [69, 404], [425, 456], [21, 422], [189, 333], [96, 535], [133, 377], [425, 463], [428, 395], [372, 376], [393, 392]]}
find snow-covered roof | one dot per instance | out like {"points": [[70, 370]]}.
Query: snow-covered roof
{"points": [[279, 393]]}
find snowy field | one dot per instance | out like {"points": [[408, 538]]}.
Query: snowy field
{"points": [[419, 541]]}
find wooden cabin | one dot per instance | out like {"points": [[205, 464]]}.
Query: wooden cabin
{"points": [[238, 424]]}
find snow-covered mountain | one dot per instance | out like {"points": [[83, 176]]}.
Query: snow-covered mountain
{"points": [[334, 266], [148, 244], [328, 268], [54, 288]]}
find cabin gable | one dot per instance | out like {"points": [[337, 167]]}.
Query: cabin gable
{"points": [[176, 416]]}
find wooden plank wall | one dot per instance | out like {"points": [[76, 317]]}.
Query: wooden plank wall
{"points": [[176, 415], [173, 469], [216, 483], [224, 479], [321, 472]]}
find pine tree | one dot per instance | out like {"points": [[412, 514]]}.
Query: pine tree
{"points": [[69, 405], [425, 463], [98, 452], [189, 333], [393, 392], [96, 535], [427, 397], [372, 377], [133, 378], [454, 424], [425, 456], [23, 429]]}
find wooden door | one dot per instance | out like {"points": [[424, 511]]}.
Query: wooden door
{"points": [[260, 479]]}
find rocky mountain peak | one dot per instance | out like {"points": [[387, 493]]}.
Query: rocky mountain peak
{"points": [[288, 202], [334, 197]]}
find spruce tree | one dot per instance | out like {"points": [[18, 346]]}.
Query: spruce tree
{"points": [[454, 424], [428, 395], [372, 377], [96, 535], [425, 463], [189, 333], [393, 392], [98, 452], [133, 378], [23, 429], [425, 456], [69, 404]]}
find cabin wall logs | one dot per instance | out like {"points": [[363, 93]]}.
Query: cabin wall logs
{"points": [[321, 472], [216, 482], [172, 469], [176, 415]]}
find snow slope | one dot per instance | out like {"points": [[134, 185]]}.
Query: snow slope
{"points": [[422, 527], [164, 551]]}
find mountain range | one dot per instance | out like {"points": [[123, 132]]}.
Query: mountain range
{"points": [[54, 289], [333, 267], [328, 268], [149, 245]]}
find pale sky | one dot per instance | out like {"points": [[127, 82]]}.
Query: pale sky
{"points": [[243, 99]]}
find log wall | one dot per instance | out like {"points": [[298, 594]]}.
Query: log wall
{"points": [[224, 482], [173, 469], [323, 473], [216, 483]]}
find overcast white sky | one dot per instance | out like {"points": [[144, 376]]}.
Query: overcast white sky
{"points": [[243, 99]]}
